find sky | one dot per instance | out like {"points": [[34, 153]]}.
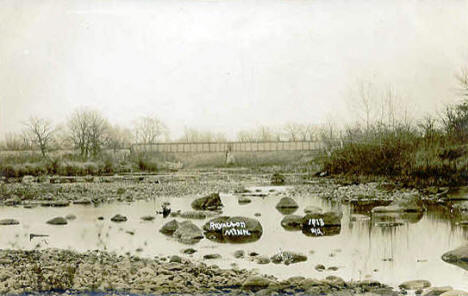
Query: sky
{"points": [[224, 65]]}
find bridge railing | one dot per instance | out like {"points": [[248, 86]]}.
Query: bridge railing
{"points": [[207, 147]]}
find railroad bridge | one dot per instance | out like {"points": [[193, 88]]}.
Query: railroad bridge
{"points": [[213, 147]]}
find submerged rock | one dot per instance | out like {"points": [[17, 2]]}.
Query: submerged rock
{"points": [[70, 217], [147, 218], [415, 285], [9, 222], [408, 203], [244, 200], [436, 291], [82, 202], [313, 210], [119, 218], [57, 221], [193, 215], [211, 202], [211, 256], [288, 257]]}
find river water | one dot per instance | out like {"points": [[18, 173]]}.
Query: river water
{"points": [[361, 250]]}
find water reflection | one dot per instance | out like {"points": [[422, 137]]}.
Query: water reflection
{"points": [[389, 254]]}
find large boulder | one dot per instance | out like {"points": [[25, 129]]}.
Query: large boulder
{"points": [[406, 203], [170, 227], [233, 229], [292, 222], [325, 224], [458, 257], [188, 233], [288, 257], [327, 219], [210, 202]]}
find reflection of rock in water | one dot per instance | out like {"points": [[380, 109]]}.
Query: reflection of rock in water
{"points": [[292, 222], [397, 217], [458, 257], [365, 206], [287, 206], [287, 211], [233, 229]]}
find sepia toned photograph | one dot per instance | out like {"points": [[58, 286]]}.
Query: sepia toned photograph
{"points": [[234, 147]]}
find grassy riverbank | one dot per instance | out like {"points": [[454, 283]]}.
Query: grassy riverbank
{"points": [[414, 155]]}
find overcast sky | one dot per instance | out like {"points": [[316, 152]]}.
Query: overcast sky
{"points": [[225, 65]]}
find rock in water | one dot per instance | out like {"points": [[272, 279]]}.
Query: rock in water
{"points": [[211, 256], [288, 257], [9, 222], [188, 233], [277, 179], [119, 218], [327, 219], [244, 200], [70, 217], [408, 203], [57, 221], [170, 227], [211, 202], [292, 222], [287, 203], [458, 257], [233, 229], [415, 285], [147, 218]]}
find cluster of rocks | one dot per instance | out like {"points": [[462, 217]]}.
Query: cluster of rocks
{"points": [[26, 272]]}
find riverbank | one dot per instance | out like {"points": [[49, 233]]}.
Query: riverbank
{"points": [[71, 273]]}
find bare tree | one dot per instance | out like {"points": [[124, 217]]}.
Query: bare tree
{"points": [[149, 129], [86, 129], [41, 133], [16, 142], [462, 78], [194, 135], [117, 137]]}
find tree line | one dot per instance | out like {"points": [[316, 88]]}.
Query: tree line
{"points": [[88, 132]]}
